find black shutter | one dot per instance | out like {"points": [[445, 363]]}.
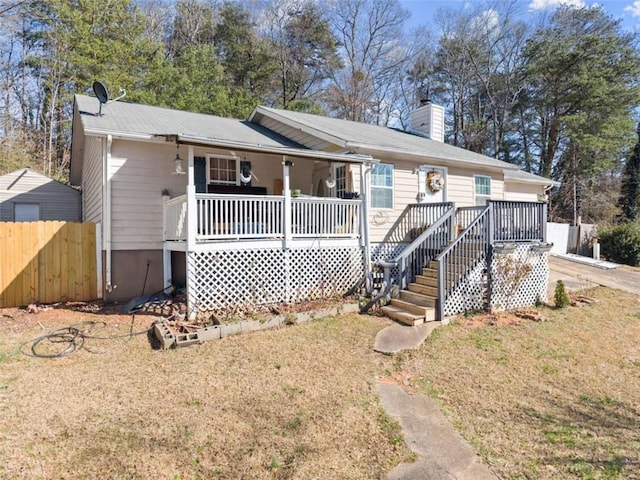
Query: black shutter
{"points": [[200, 174], [245, 170]]}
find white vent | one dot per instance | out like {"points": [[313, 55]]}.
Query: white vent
{"points": [[429, 119]]}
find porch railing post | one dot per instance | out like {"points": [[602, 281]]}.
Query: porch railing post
{"points": [[287, 201], [543, 222]]}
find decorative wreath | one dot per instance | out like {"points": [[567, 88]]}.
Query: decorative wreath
{"points": [[435, 182]]}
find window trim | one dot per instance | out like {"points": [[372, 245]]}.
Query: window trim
{"points": [[341, 180], [236, 159], [392, 187], [477, 196]]}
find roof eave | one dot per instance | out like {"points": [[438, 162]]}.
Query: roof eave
{"points": [[263, 111], [286, 151], [423, 157]]}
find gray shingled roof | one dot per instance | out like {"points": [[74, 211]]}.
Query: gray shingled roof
{"points": [[346, 134], [525, 177], [136, 119]]}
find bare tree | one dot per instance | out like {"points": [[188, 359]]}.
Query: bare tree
{"points": [[370, 33]]}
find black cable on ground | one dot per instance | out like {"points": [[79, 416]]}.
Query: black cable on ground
{"points": [[66, 341]]}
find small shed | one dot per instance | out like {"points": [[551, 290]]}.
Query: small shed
{"points": [[30, 196]]}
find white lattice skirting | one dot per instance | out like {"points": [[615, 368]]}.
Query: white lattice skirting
{"points": [[470, 294], [519, 279], [227, 279]]}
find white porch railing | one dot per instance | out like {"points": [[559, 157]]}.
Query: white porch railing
{"points": [[223, 217], [175, 218], [325, 217], [238, 216]]}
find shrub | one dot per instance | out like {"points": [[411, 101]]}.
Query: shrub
{"points": [[561, 298], [621, 243]]}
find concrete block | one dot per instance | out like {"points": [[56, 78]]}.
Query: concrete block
{"points": [[164, 335]]}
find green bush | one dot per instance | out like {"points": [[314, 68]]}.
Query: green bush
{"points": [[621, 243], [561, 297]]}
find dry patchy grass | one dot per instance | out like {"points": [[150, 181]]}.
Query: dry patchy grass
{"points": [[292, 403], [544, 400]]}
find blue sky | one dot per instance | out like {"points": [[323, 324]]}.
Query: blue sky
{"points": [[423, 11]]}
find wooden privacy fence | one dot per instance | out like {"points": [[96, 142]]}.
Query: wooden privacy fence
{"points": [[47, 262]]}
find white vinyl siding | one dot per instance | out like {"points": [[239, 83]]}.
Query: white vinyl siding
{"points": [[382, 186], [522, 192], [459, 189], [92, 166], [138, 173]]}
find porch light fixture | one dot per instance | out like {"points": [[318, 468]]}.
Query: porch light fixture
{"points": [[178, 165]]}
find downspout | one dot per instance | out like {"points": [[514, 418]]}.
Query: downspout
{"points": [[106, 195], [365, 170]]}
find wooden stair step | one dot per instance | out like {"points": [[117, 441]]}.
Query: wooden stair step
{"points": [[430, 272], [427, 281], [402, 315], [418, 298], [423, 289], [429, 313]]}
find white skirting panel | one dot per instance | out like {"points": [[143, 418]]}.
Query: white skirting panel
{"points": [[223, 280]]}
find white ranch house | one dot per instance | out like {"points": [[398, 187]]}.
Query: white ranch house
{"points": [[287, 206]]}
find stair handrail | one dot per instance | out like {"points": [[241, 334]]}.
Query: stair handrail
{"points": [[481, 224], [401, 260]]}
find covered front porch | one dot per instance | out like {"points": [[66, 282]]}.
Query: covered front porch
{"points": [[241, 250]]}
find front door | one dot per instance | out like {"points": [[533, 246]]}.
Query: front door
{"points": [[431, 184]]}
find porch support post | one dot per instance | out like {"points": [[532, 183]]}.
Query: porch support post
{"points": [[192, 229], [166, 266], [365, 169], [192, 208], [287, 200], [166, 253]]}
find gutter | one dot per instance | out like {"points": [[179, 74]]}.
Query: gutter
{"points": [[412, 155]]}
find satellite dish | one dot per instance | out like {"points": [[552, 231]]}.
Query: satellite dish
{"points": [[101, 92]]}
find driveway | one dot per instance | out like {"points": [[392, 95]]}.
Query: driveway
{"points": [[577, 276]]}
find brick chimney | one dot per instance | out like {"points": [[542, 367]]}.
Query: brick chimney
{"points": [[429, 119]]}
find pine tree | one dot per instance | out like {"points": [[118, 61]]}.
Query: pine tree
{"points": [[629, 200]]}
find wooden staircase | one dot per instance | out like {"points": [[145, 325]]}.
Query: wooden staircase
{"points": [[417, 303]]}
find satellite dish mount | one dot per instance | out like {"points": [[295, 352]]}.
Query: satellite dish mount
{"points": [[102, 95]]}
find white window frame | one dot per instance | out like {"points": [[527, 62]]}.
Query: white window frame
{"points": [[392, 187], [210, 181], [340, 175], [481, 196]]}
